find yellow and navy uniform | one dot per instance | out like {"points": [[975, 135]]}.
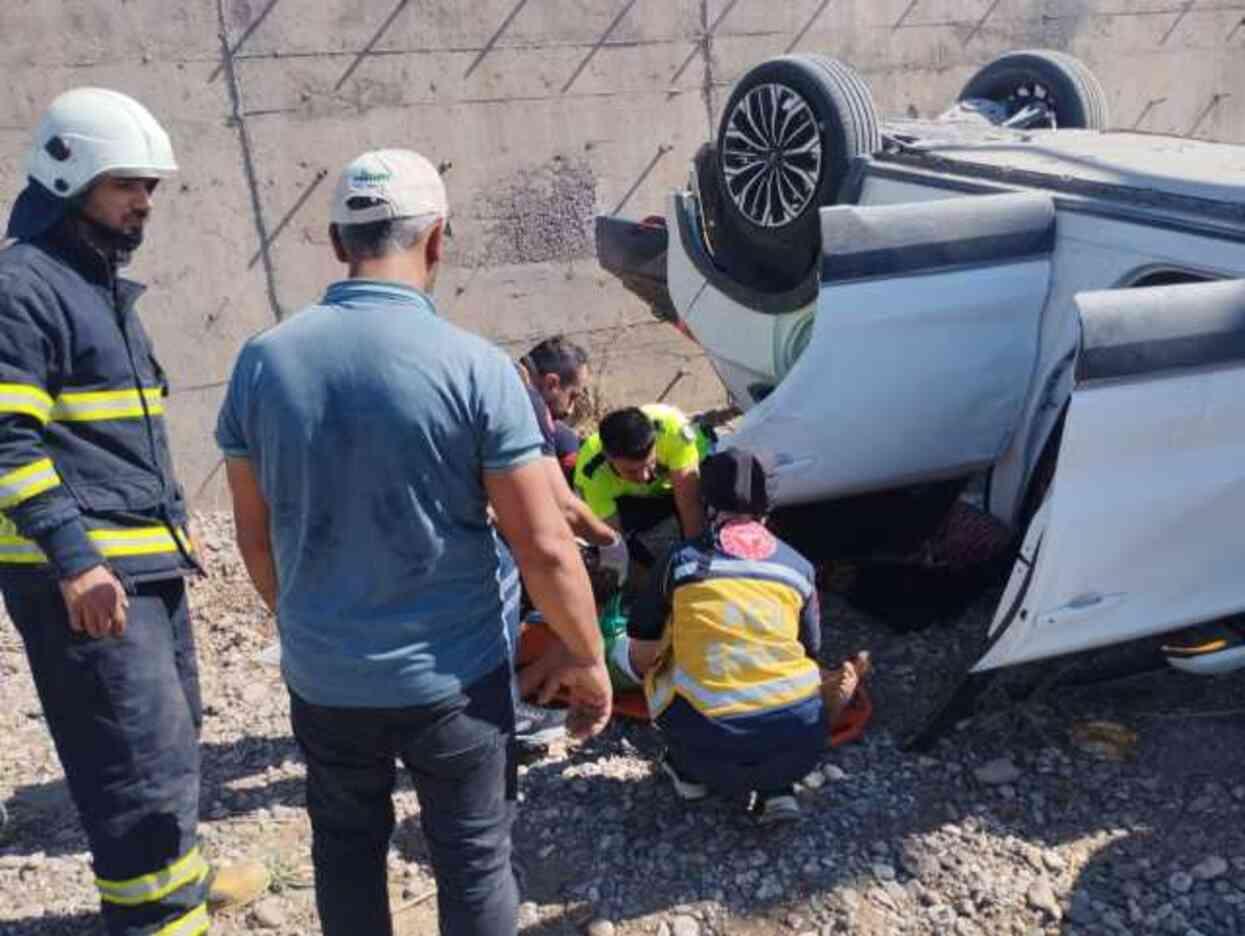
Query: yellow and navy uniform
{"points": [[86, 478], [679, 444], [736, 690], [740, 628], [85, 470]]}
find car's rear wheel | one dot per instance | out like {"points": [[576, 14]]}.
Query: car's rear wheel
{"points": [[788, 135], [1038, 87]]}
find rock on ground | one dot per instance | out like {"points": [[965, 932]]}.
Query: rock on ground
{"points": [[1003, 827]]}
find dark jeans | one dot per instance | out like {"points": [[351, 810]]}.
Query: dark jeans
{"points": [[124, 714], [766, 753], [459, 753]]}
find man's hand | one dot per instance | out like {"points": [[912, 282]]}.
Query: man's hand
{"points": [[586, 684], [96, 602]]}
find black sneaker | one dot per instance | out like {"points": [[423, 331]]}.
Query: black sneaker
{"points": [[535, 728]]}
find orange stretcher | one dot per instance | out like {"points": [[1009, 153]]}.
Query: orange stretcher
{"points": [[536, 639]]}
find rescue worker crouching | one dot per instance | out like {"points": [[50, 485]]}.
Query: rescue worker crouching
{"points": [[554, 373], [640, 470], [94, 542], [726, 639]]}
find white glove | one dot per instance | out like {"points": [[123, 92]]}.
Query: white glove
{"points": [[615, 558]]}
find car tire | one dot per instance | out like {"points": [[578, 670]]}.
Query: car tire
{"points": [[774, 177], [1011, 80]]}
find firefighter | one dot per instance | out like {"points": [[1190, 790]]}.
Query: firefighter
{"points": [[94, 546]]}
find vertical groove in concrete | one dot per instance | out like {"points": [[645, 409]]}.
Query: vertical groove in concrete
{"points": [[234, 85], [706, 50]]}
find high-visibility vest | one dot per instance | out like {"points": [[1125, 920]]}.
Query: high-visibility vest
{"points": [[731, 645], [680, 445]]}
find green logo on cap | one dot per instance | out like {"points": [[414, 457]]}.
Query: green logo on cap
{"points": [[367, 177]]}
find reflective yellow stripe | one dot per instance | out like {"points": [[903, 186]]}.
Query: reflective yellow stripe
{"points": [[192, 924], [143, 541], [27, 481], [107, 404], [14, 550], [662, 687], [113, 544], [756, 697], [26, 399], [148, 888]]}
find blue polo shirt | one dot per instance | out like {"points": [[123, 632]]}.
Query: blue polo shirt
{"points": [[369, 422]]}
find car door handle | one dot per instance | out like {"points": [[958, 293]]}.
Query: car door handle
{"points": [[1083, 604]]}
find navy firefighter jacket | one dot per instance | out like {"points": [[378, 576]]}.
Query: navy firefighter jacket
{"points": [[85, 470]]}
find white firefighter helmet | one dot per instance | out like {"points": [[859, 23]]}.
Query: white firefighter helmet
{"points": [[87, 132]]}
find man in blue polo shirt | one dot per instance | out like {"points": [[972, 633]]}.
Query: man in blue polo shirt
{"points": [[366, 439]]}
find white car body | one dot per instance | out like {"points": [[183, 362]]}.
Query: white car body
{"points": [[975, 294]]}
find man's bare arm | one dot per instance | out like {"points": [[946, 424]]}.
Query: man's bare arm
{"points": [[644, 654], [687, 502], [538, 535], [583, 522], [527, 514], [251, 530]]}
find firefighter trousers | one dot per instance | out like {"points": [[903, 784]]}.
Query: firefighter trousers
{"points": [[124, 714]]}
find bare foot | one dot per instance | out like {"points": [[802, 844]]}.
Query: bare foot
{"points": [[839, 684]]}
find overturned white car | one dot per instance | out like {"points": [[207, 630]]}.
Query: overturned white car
{"points": [[1009, 290]]}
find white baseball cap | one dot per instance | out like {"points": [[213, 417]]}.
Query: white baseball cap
{"points": [[387, 184]]}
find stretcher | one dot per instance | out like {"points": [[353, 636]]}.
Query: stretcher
{"points": [[536, 639]]}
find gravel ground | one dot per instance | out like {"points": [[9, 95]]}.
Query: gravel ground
{"points": [[1005, 827]]}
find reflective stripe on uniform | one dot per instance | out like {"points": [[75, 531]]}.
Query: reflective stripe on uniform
{"points": [[14, 550], [748, 697], [191, 924], [738, 568], [26, 399], [148, 888], [112, 544], [660, 691], [27, 481], [142, 541], [108, 404]]}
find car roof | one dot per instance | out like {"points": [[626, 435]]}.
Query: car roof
{"points": [[1148, 169]]}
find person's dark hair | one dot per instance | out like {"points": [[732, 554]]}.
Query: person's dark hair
{"points": [[627, 433], [736, 481], [558, 355]]}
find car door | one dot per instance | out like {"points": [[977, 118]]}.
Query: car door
{"points": [[1141, 528], [923, 346]]}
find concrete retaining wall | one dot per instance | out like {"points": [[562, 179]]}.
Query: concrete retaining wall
{"points": [[549, 110]]}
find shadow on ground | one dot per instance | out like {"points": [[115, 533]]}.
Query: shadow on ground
{"points": [[42, 817]]}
